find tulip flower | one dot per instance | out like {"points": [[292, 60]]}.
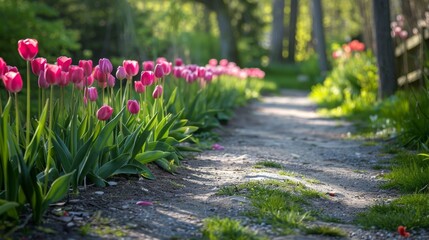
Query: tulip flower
{"points": [[90, 80], [104, 113], [157, 92], [147, 65], [139, 87], [76, 74], [111, 80], [105, 65], [64, 80], [208, 76], [3, 67], [223, 62], [52, 74], [159, 71], [166, 67], [42, 80], [28, 48], [147, 78], [178, 62], [213, 62], [99, 75], [64, 62], [177, 72], [201, 72], [37, 65], [133, 106], [92, 94], [12, 82], [87, 67], [11, 69], [131, 67], [121, 74]]}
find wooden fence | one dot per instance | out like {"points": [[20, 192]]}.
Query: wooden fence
{"points": [[412, 59]]}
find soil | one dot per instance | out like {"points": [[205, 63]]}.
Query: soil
{"points": [[317, 152]]}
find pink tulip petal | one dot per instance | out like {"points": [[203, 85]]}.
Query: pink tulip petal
{"points": [[144, 203], [217, 147]]}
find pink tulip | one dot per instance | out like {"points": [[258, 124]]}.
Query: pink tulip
{"points": [[121, 73], [3, 67], [104, 113], [147, 66], [403, 34], [37, 65], [64, 80], [201, 72], [208, 76], [177, 72], [144, 203], [11, 69], [133, 106], [147, 78], [161, 59], [139, 87], [87, 67], [157, 92], [28, 48], [52, 74], [41, 81], [178, 62], [111, 80], [64, 62], [12, 82], [80, 85], [131, 67], [159, 71], [92, 94], [213, 62], [76, 74], [223, 62], [99, 75], [90, 80], [105, 65], [166, 67]]}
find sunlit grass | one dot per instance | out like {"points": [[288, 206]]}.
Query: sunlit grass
{"points": [[326, 231], [226, 228], [410, 210], [268, 164]]}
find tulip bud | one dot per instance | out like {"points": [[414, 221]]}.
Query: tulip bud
{"points": [[12, 82], [37, 65], [178, 62], [213, 62], [159, 71], [76, 74], [92, 94], [147, 65], [87, 67], [223, 62], [52, 74], [157, 92], [147, 78], [105, 65], [111, 80], [3, 67], [139, 87], [121, 73], [28, 48], [41, 81], [133, 106], [131, 67], [104, 113], [64, 63]]}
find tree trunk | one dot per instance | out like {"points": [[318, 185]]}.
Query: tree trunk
{"points": [[384, 48], [365, 12], [277, 31], [316, 9], [292, 30]]}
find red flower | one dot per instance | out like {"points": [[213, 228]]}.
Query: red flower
{"points": [[3, 67], [76, 74], [64, 62], [87, 67], [147, 78], [104, 113], [403, 231], [12, 81], [131, 67], [28, 48], [37, 65], [53, 74]]}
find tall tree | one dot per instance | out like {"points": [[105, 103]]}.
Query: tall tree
{"points": [[228, 42], [277, 31], [319, 34], [367, 33], [384, 48], [292, 30]]}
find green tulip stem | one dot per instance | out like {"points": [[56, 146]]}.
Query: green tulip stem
{"points": [[16, 118], [27, 133], [121, 101], [49, 157]]}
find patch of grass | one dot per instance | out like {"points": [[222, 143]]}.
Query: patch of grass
{"points": [[102, 227], [287, 173], [369, 143], [409, 210], [269, 164], [326, 231], [226, 228], [278, 203], [378, 167], [410, 173], [360, 171], [326, 218]]}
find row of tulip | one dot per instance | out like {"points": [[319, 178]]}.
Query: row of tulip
{"points": [[77, 135]]}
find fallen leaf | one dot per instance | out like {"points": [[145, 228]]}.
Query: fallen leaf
{"points": [[144, 203], [217, 146]]}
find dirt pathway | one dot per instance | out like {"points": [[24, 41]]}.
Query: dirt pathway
{"points": [[285, 129]]}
